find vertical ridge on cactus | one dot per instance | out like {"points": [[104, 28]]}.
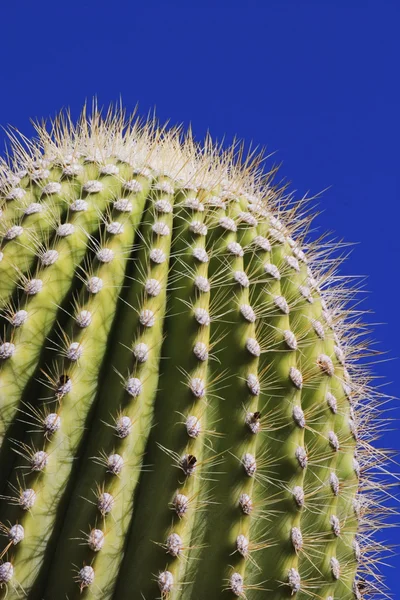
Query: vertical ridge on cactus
{"points": [[183, 411]]}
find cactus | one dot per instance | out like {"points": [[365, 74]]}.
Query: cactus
{"points": [[183, 413]]}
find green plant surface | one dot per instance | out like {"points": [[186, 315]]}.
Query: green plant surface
{"points": [[183, 412]]}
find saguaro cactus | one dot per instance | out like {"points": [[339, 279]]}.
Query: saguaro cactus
{"points": [[183, 413]]}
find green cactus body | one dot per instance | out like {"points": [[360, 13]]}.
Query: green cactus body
{"points": [[179, 401]]}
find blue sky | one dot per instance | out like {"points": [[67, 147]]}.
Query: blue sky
{"points": [[313, 81]]}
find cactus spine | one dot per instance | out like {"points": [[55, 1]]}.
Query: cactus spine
{"points": [[180, 402]]}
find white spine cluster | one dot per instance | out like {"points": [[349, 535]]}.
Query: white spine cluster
{"points": [[27, 499], [49, 258], [79, 205], [165, 582], [86, 576], [96, 540], [16, 534], [6, 350], [6, 572], [19, 318]]}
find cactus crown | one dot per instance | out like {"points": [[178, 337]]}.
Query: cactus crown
{"points": [[183, 413]]}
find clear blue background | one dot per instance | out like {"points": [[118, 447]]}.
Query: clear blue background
{"points": [[317, 82]]}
